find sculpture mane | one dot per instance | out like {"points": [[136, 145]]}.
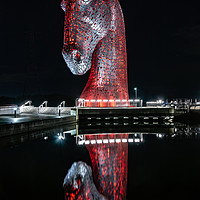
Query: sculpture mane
{"points": [[94, 38]]}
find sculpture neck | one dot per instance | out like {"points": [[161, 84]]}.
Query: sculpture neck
{"points": [[108, 76], [110, 165]]}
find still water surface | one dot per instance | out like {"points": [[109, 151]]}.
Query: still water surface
{"points": [[159, 165]]}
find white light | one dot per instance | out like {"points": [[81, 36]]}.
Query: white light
{"points": [[124, 140], [118, 100], [111, 100], [93, 100], [15, 120], [118, 140], [173, 135], [130, 140], [112, 140], [124, 100], [87, 100], [105, 100], [99, 141], [137, 100], [137, 140], [160, 101], [87, 142], [59, 137], [93, 141], [46, 138], [99, 100], [81, 142], [105, 141], [15, 109], [130, 100]]}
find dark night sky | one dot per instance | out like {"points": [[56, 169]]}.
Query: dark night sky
{"points": [[163, 45]]}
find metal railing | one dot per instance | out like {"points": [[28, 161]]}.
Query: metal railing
{"points": [[108, 102]]}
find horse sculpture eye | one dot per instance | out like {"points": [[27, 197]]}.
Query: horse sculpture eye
{"points": [[84, 2]]}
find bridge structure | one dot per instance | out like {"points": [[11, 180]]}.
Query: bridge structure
{"points": [[28, 108]]}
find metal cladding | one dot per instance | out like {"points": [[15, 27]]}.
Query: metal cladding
{"points": [[109, 163], [78, 183], [94, 38]]}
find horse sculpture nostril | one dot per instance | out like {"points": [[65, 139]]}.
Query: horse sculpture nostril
{"points": [[76, 56]]}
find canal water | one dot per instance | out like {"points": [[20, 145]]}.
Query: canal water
{"points": [[159, 165]]}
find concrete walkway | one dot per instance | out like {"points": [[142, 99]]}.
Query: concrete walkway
{"points": [[10, 119]]}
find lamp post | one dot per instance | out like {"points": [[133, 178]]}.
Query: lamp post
{"points": [[15, 112], [135, 89]]}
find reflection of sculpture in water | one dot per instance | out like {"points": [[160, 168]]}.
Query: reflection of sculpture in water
{"points": [[109, 163], [79, 184], [94, 38]]}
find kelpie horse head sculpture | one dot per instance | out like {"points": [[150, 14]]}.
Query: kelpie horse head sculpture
{"points": [[94, 37]]}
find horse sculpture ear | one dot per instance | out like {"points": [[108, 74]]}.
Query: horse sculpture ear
{"points": [[63, 5], [113, 23], [84, 2]]}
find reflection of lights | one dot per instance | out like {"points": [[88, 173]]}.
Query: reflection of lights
{"points": [[159, 135], [118, 140], [99, 141], [15, 120], [60, 136], [173, 135], [111, 140], [105, 141], [124, 140], [93, 141], [87, 142], [137, 140], [81, 142]]}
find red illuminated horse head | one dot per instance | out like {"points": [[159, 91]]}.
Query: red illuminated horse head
{"points": [[94, 38]]}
